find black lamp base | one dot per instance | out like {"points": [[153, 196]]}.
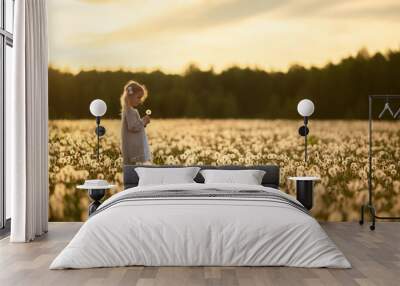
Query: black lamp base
{"points": [[96, 195], [304, 193]]}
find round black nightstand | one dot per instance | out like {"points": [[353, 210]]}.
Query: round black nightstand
{"points": [[304, 190], [96, 191]]}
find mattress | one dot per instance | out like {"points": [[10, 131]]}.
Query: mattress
{"points": [[201, 225]]}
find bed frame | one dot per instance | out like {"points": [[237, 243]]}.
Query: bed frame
{"points": [[270, 179]]}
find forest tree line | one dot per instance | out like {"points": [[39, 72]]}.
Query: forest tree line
{"points": [[339, 91]]}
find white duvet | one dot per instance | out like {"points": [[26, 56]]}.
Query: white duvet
{"points": [[200, 231]]}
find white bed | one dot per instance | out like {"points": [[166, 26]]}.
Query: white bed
{"points": [[185, 230]]}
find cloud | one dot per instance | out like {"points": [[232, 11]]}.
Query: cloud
{"points": [[311, 7], [98, 1], [187, 18], [379, 12], [201, 15], [339, 9], [169, 34]]}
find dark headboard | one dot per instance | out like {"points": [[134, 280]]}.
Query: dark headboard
{"points": [[271, 177]]}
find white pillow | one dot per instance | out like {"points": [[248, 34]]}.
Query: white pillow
{"points": [[249, 177], [165, 176]]}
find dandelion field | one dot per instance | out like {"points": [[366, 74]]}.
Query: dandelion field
{"points": [[338, 153]]}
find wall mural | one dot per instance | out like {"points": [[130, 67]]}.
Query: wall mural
{"points": [[201, 105]]}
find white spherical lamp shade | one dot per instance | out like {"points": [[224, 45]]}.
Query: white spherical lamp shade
{"points": [[98, 107], [305, 107]]}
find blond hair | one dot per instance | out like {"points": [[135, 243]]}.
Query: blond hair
{"points": [[132, 87]]}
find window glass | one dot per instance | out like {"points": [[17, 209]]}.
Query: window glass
{"points": [[8, 89], [9, 15], [2, 195], [1, 14]]}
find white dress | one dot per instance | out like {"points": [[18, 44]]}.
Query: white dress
{"points": [[147, 154]]}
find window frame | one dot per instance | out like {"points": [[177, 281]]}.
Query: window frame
{"points": [[6, 39]]}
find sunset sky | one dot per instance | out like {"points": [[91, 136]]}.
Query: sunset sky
{"points": [[168, 35]]}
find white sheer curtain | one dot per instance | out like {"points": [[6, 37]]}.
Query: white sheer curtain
{"points": [[26, 123]]}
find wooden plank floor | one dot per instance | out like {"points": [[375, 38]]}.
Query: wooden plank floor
{"points": [[375, 257]]}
